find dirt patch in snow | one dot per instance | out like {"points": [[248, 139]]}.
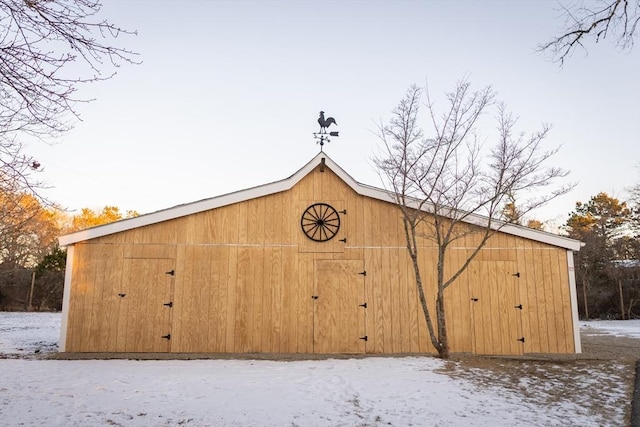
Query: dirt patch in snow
{"points": [[608, 347], [600, 390], [602, 377]]}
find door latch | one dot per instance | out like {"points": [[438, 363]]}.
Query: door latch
{"points": [[170, 273], [168, 304], [518, 306], [364, 338], [363, 305], [474, 299], [167, 337]]}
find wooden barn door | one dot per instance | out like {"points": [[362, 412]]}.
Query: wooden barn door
{"points": [[145, 313], [339, 307], [496, 308]]}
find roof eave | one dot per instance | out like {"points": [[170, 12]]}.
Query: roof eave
{"points": [[190, 208], [283, 185]]}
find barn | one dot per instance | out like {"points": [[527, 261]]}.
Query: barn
{"points": [[314, 263]]}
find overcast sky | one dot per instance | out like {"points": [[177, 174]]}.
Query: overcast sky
{"points": [[228, 95]]}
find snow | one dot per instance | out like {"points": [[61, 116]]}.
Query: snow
{"points": [[618, 328], [374, 391], [24, 335]]}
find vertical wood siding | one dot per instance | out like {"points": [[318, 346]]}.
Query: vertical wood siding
{"points": [[245, 276]]}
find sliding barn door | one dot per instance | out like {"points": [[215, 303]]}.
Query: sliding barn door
{"points": [[339, 307]]}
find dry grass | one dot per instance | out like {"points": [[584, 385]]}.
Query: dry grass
{"points": [[597, 383]]}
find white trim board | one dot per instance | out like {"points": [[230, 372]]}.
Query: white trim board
{"points": [[66, 297], [286, 184], [573, 295]]}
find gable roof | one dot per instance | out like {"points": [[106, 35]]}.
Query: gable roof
{"points": [[283, 185]]}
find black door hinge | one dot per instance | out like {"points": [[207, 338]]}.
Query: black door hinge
{"points": [[516, 274], [363, 305], [314, 296], [474, 299], [344, 212], [364, 338], [521, 340], [168, 304], [364, 273], [122, 295], [167, 337], [518, 306], [170, 273], [344, 240]]}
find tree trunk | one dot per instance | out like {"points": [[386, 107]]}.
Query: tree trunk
{"points": [[410, 233], [584, 296], [33, 281], [423, 303], [630, 307], [443, 338], [621, 298]]}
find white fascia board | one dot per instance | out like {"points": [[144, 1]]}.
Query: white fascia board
{"points": [[526, 232], [283, 185], [542, 236], [199, 206], [482, 221]]}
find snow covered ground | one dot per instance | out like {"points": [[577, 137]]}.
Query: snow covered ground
{"points": [[375, 391], [618, 328]]}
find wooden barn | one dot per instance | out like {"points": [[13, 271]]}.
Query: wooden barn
{"points": [[314, 263]]}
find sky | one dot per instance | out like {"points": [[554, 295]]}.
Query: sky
{"points": [[228, 94]]}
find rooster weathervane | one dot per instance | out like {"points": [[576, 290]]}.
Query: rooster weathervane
{"points": [[323, 136]]}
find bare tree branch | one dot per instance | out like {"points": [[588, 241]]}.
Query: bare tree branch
{"points": [[615, 18], [47, 50], [447, 190]]}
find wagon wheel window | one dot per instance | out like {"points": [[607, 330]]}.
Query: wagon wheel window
{"points": [[320, 222]]}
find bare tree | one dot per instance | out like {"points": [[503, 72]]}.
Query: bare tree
{"points": [[634, 202], [597, 20], [448, 186], [16, 168], [47, 50]]}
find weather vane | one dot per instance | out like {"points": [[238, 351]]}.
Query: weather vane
{"points": [[323, 135]]}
